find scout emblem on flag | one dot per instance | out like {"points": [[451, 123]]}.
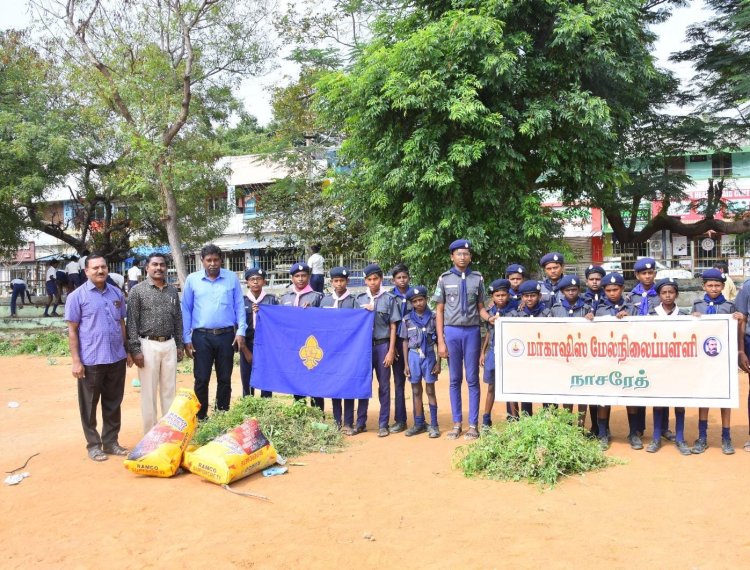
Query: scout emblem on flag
{"points": [[311, 353]]}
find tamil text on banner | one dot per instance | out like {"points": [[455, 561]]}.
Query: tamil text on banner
{"points": [[635, 361], [313, 352]]}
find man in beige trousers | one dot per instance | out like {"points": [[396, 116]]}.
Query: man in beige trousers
{"points": [[154, 329]]}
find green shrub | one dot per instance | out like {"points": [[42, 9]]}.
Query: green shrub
{"points": [[42, 344], [539, 448], [294, 429]]}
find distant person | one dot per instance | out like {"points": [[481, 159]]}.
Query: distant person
{"points": [[95, 313], [53, 292], [18, 288], [116, 279], [213, 324], [82, 266], [317, 269], [72, 268], [134, 275], [730, 289]]}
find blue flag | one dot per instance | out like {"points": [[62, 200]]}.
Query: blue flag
{"points": [[325, 353]]}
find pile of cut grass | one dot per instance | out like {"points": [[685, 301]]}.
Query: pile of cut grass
{"points": [[539, 449], [294, 428]]}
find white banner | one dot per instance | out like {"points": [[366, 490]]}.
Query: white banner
{"points": [[635, 361]]}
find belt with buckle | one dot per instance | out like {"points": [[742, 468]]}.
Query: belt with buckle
{"points": [[158, 338], [378, 341], [216, 331]]}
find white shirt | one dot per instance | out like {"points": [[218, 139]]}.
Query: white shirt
{"points": [[118, 279], [18, 281], [51, 273], [82, 263], [71, 268], [134, 273], [316, 264]]}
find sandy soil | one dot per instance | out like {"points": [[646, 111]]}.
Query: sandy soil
{"points": [[379, 503]]}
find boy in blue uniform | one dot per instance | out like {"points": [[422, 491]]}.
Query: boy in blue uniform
{"points": [[553, 265], [459, 296], [593, 294], [419, 334], [255, 296], [341, 299], [387, 317], [401, 280], [302, 295], [615, 305], [515, 274], [500, 294], [713, 303], [668, 290]]}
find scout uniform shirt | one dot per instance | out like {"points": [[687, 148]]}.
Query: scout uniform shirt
{"points": [[311, 299], [606, 309], [416, 335], [564, 310], [348, 302], [701, 306], [268, 299], [386, 312], [550, 297], [537, 312], [448, 292]]}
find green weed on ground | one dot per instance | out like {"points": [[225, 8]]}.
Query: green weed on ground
{"points": [[539, 449], [293, 428], [42, 344]]}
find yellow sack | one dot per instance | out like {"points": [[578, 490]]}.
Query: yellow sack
{"points": [[160, 451], [232, 456]]}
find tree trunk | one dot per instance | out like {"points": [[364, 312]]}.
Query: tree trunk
{"points": [[170, 224]]}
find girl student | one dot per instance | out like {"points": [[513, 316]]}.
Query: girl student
{"points": [[340, 298], [668, 290], [255, 296], [615, 305], [419, 334], [501, 306]]}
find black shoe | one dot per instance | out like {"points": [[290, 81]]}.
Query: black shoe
{"points": [[360, 429], [398, 427], [414, 430], [433, 431], [669, 435], [726, 447], [683, 448], [114, 449], [635, 442], [654, 446], [699, 446], [383, 432]]}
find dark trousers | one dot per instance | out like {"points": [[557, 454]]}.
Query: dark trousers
{"points": [[464, 345], [18, 291], [105, 382], [246, 369], [314, 401], [399, 381], [383, 375], [317, 281], [213, 349], [348, 419]]}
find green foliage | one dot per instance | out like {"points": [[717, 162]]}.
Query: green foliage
{"points": [[294, 429], [459, 114], [539, 449], [41, 344]]}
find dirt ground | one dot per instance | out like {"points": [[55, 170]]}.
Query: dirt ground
{"points": [[381, 502]]}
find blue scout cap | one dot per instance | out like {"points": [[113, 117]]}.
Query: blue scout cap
{"points": [[515, 268], [418, 291], [253, 272], [643, 264], [552, 257], [714, 275], [372, 268], [299, 266], [339, 272], [595, 269], [613, 278], [668, 281], [530, 286], [500, 285], [459, 244], [568, 281]]}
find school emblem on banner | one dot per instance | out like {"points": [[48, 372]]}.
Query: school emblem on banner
{"points": [[311, 353]]}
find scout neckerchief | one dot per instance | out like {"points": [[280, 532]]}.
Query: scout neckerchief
{"points": [[574, 307], [301, 292], [374, 298], [720, 300], [551, 286], [535, 311], [660, 310], [337, 299], [640, 290], [402, 300], [593, 297], [255, 301], [464, 291], [613, 308], [422, 323]]}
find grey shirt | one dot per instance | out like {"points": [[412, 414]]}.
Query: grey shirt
{"points": [[742, 303], [153, 312], [348, 303], [309, 299], [561, 312], [700, 306], [448, 293], [414, 333], [386, 312]]}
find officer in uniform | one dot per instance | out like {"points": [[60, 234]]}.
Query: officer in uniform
{"points": [[553, 265]]}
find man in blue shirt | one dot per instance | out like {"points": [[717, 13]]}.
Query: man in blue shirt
{"points": [[213, 322]]}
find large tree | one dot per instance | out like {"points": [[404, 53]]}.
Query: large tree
{"points": [[165, 69], [461, 115]]}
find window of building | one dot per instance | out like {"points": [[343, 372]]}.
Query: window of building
{"points": [[676, 164], [721, 164]]}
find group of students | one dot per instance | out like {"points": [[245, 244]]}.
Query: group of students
{"points": [[410, 340]]}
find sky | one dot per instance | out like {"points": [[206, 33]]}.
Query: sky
{"points": [[255, 91]]}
